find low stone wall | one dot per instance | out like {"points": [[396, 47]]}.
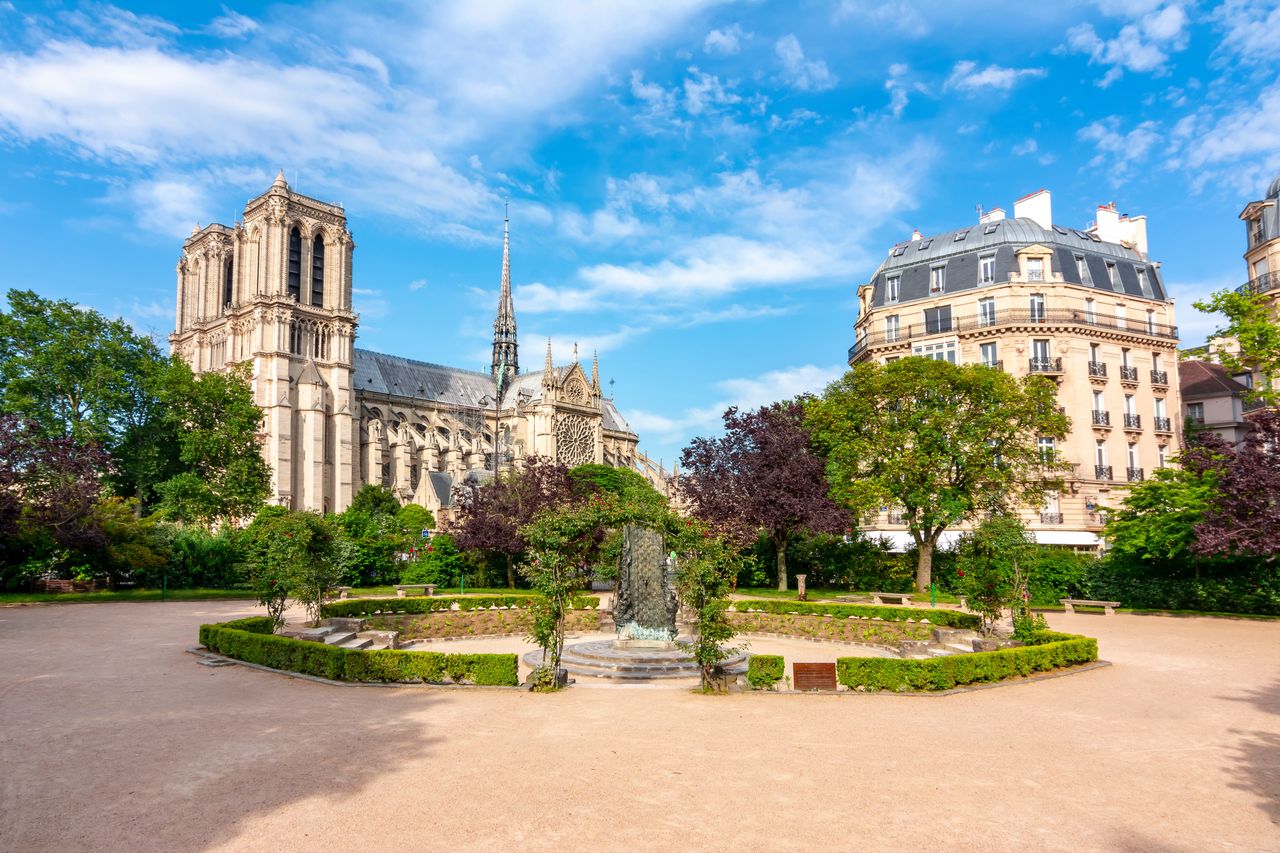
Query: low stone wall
{"points": [[474, 623], [870, 631]]}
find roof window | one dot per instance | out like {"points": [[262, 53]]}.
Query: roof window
{"points": [[990, 229], [960, 235], [1060, 230], [924, 244], [898, 252]]}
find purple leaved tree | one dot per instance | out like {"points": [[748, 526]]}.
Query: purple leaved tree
{"points": [[1243, 518], [49, 483], [761, 474]]}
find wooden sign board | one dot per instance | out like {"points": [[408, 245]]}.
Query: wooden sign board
{"points": [[814, 676]]}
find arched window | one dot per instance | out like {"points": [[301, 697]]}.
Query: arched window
{"points": [[295, 263], [317, 271], [228, 283]]}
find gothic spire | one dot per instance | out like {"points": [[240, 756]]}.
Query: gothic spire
{"points": [[548, 375], [504, 325], [595, 371]]}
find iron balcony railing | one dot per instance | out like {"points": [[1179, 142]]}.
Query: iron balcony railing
{"points": [[998, 364], [1128, 374], [1097, 368], [1261, 284], [1010, 317], [895, 517], [1102, 472], [1050, 518], [1135, 475], [1159, 377], [1046, 365], [1163, 425], [1101, 418], [1133, 421], [1196, 419], [1257, 237]]}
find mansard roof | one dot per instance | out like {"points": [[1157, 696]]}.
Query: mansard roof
{"points": [[377, 373]]}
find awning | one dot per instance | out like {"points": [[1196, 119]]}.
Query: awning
{"points": [[1067, 537], [900, 540]]}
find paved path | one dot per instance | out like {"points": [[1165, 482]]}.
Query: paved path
{"points": [[112, 738]]}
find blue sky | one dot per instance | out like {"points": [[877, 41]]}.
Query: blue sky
{"points": [[696, 188]]}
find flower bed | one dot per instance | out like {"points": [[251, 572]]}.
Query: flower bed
{"points": [[842, 630], [473, 623], [433, 604], [1049, 651], [937, 617], [251, 640]]}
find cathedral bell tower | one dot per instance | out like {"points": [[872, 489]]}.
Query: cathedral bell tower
{"points": [[505, 349]]}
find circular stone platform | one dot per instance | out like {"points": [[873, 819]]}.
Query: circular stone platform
{"points": [[603, 659]]}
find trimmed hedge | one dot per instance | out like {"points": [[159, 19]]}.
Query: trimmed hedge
{"points": [[434, 604], [250, 644], [944, 618], [1049, 651], [764, 671]]}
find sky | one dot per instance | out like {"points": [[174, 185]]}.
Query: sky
{"points": [[696, 188]]}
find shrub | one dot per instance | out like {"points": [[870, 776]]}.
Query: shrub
{"points": [[764, 671], [1142, 587], [1048, 651], [249, 641], [945, 618], [433, 604]]}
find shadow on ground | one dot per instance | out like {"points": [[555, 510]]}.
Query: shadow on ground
{"points": [[1257, 756]]}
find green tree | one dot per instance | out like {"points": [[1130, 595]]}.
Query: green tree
{"points": [[945, 443], [1251, 322], [375, 499], [993, 561], [625, 483], [291, 554], [705, 573]]}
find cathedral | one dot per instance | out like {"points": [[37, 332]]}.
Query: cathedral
{"points": [[275, 291]]}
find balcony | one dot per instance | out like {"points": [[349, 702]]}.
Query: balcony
{"points": [[1128, 374], [1101, 419], [1133, 421], [1135, 475], [1046, 366], [1163, 425], [998, 364], [1050, 518], [1102, 472], [1159, 377], [1261, 284], [1098, 369], [895, 517]]}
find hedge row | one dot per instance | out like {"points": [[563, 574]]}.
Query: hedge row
{"points": [[434, 604], [1049, 651], [764, 671], [248, 643], [944, 618]]}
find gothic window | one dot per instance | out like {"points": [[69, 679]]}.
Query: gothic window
{"points": [[575, 392], [294, 335], [575, 440], [228, 283], [317, 271], [295, 263]]}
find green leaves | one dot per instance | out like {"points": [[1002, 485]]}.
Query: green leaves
{"points": [[1251, 322]]}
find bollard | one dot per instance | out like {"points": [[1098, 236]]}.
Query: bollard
{"points": [[800, 592]]}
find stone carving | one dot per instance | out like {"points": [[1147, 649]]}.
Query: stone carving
{"points": [[575, 392], [575, 440], [646, 587]]}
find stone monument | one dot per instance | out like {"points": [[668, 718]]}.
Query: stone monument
{"points": [[646, 605]]}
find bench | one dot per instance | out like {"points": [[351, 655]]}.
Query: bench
{"points": [[1071, 604], [903, 598], [429, 589], [344, 591]]}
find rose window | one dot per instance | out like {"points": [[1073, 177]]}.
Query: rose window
{"points": [[575, 440]]}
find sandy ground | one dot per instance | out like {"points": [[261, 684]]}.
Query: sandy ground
{"points": [[113, 738]]}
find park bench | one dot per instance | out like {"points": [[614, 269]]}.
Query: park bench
{"points": [[344, 591], [428, 589], [1071, 604], [903, 598]]}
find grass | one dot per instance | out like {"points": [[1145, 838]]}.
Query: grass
{"points": [[825, 593], [124, 595], [390, 591]]}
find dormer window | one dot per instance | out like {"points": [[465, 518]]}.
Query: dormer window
{"points": [[924, 244], [986, 269], [1113, 276], [990, 229], [1035, 269], [937, 280], [891, 288], [900, 251], [960, 235]]}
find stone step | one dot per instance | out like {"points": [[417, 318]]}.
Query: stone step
{"points": [[315, 635], [952, 635], [337, 638], [942, 652], [357, 643], [959, 648]]}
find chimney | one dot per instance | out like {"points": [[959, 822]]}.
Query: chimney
{"points": [[1107, 225], [1036, 207], [916, 235], [995, 214]]}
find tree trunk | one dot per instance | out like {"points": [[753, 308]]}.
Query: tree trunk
{"points": [[511, 573], [924, 566], [780, 548]]}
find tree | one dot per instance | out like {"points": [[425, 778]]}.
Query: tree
{"points": [[944, 443], [1251, 322], [490, 514], [291, 553], [1242, 518], [625, 483], [375, 499], [217, 424], [706, 569], [762, 474], [993, 562]]}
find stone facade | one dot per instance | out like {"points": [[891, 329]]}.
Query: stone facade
{"points": [[275, 292], [1086, 308]]}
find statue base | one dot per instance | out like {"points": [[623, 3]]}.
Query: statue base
{"points": [[664, 645]]}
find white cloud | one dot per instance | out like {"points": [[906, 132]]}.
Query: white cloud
{"points": [[704, 92], [966, 76], [562, 345], [900, 16], [1123, 150], [418, 284], [231, 24], [801, 73], [1027, 146], [1249, 30], [724, 42], [168, 206], [900, 88], [1195, 327], [1156, 30]]}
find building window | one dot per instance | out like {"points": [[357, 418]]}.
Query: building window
{"points": [[891, 328], [937, 320], [988, 354], [1047, 449], [937, 280], [1100, 453], [1162, 456], [891, 289], [986, 269], [1099, 405], [1036, 305], [1090, 312], [987, 311], [1113, 276], [1083, 269], [1120, 324], [1195, 411], [1035, 269], [1151, 322], [1124, 358], [317, 271], [1142, 282], [1130, 407], [1133, 455], [294, 276], [990, 229], [228, 283], [1155, 361], [941, 351]]}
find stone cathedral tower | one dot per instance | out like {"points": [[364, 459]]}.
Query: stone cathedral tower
{"points": [[505, 349], [275, 291]]}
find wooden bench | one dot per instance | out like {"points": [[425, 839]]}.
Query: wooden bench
{"points": [[903, 598], [814, 676], [429, 589], [1109, 607]]}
